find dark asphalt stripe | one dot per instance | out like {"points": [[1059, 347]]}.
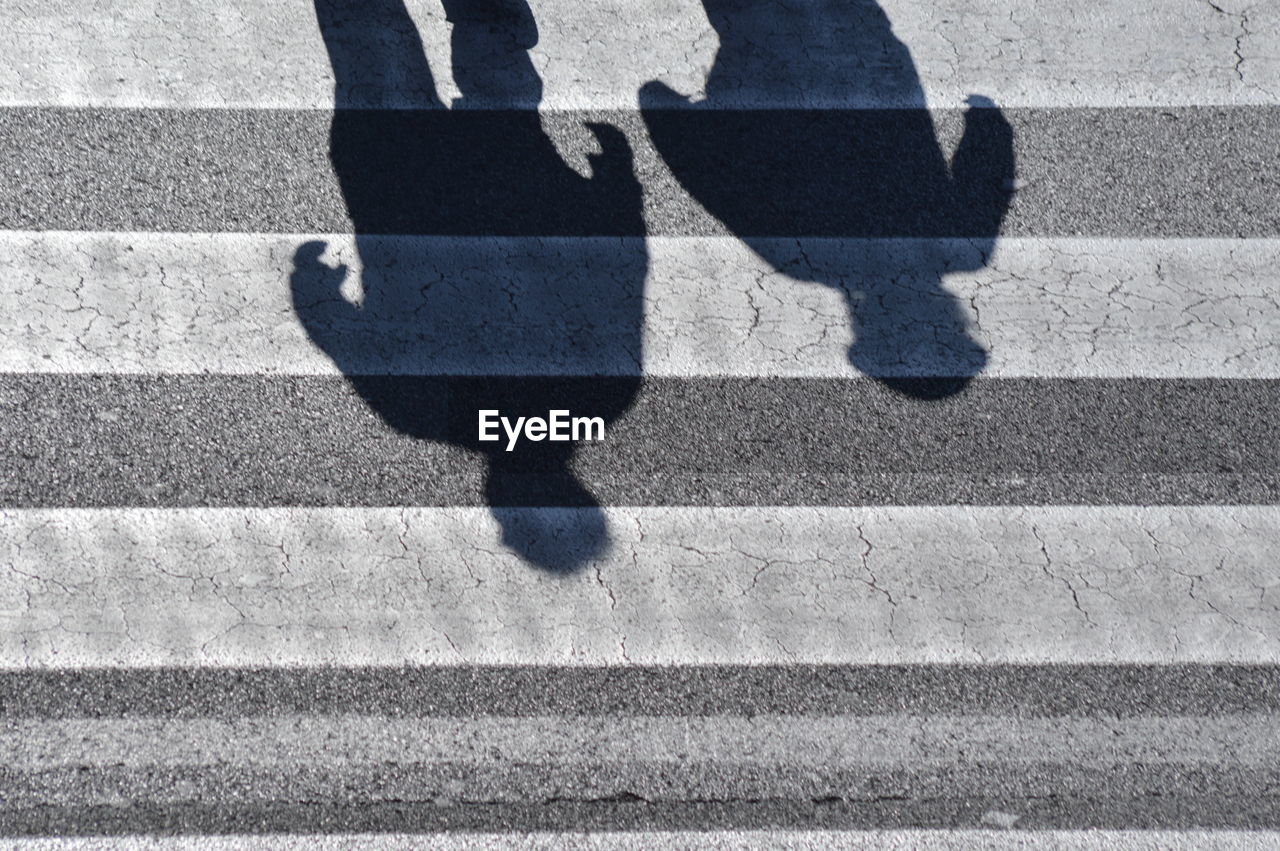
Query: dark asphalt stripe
{"points": [[102, 441], [211, 801], [1172, 172], [813, 690], [464, 782]]}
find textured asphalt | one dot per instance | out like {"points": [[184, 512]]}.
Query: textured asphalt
{"points": [[1027, 691], [1118, 172], [90, 440], [476, 793], [222, 800]]}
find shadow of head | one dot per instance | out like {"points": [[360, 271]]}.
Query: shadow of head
{"points": [[557, 540], [545, 511], [910, 334]]}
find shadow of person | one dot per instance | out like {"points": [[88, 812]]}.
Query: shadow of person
{"points": [[773, 176], [489, 269]]}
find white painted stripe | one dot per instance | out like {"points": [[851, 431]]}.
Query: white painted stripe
{"points": [[220, 303], [1250, 741], [1058, 53], [244, 587], [799, 840]]}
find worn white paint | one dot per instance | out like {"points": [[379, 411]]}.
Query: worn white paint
{"points": [[596, 55], [243, 587], [220, 303]]}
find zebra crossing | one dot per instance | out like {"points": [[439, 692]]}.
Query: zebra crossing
{"points": [[939, 485], [122, 303]]}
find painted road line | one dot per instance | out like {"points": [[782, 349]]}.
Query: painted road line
{"points": [[245, 54], [245, 587], [152, 303]]}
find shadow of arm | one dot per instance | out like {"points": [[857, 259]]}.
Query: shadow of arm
{"points": [[329, 319], [982, 172]]}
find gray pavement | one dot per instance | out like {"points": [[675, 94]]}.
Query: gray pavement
{"points": [[936, 839], [107, 441], [1121, 172], [992, 690]]}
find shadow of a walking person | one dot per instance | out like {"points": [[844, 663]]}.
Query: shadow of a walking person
{"points": [[490, 269], [774, 176]]}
